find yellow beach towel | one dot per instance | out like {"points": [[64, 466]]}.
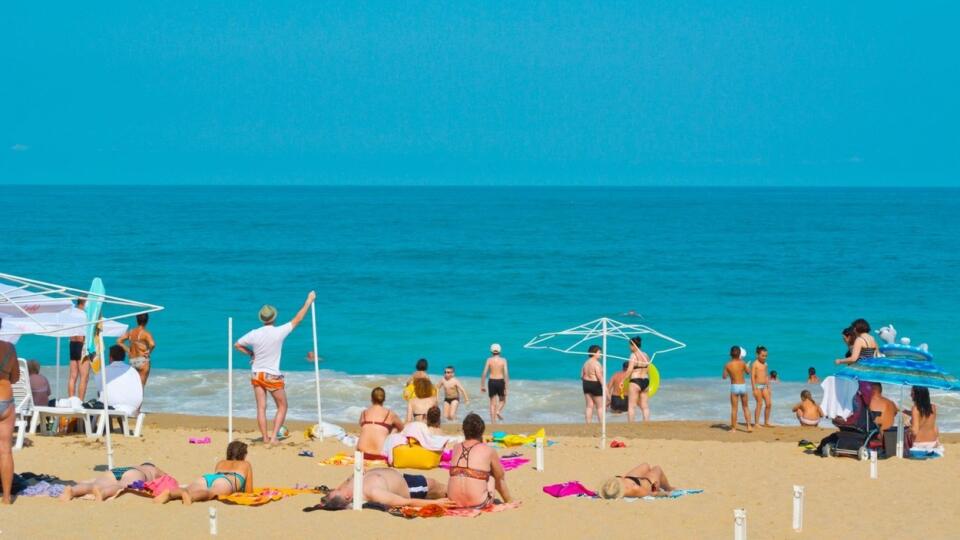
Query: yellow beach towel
{"points": [[264, 495]]}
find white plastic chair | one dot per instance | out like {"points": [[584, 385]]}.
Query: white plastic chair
{"points": [[22, 402]]}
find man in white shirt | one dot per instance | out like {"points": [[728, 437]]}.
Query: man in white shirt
{"points": [[124, 390], [265, 346]]}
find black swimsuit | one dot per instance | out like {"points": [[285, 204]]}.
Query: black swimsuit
{"points": [[592, 388], [497, 387], [450, 399], [642, 383]]}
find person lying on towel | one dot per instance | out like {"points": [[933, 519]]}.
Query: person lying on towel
{"points": [[390, 487]]}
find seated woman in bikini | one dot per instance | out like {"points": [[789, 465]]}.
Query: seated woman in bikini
{"points": [[231, 475], [423, 398], [475, 469], [923, 433], [640, 481], [376, 422], [113, 483]]}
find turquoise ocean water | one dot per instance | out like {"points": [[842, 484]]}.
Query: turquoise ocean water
{"points": [[442, 272]]}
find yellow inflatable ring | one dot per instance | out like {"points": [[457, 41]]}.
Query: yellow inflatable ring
{"points": [[654, 375]]}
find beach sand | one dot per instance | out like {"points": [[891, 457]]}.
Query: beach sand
{"points": [[737, 470]]}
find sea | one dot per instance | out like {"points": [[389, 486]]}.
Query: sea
{"points": [[403, 273]]}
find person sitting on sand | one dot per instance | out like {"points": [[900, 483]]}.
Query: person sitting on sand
{"points": [[616, 401], [886, 407], [452, 390], [923, 420], [807, 411], [39, 385], [736, 370], [264, 346], [762, 392], [390, 488], [591, 377], [9, 374], [231, 475], [423, 398], [812, 376], [640, 481], [475, 469], [639, 381], [376, 422], [496, 366], [113, 482], [420, 373], [433, 421]]}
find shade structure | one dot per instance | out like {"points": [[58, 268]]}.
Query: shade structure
{"points": [[577, 340], [19, 300], [30, 290], [67, 323], [904, 371]]}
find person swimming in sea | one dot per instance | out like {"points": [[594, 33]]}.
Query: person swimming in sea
{"points": [[736, 370], [591, 377], [231, 475]]}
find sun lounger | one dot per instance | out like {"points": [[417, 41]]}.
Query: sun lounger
{"points": [[124, 421], [22, 403], [59, 412]]}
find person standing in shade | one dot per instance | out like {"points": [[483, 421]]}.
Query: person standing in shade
{"points": [[496, 367], [265, 347]]}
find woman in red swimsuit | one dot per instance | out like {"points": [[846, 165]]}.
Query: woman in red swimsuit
{"points": [[376, 422]]}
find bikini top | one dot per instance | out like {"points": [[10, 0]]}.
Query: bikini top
{"points": [[637, 479], [142, 344], [465, 470], [383, 423], [239, 482], [867, 352]]}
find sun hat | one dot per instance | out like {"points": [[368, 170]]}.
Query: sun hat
{"points": [[267, 314], [495, 348]]}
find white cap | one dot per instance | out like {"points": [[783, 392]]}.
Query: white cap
{"points": [[495, 348]]}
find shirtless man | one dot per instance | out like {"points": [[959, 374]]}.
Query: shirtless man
{"points": [[736, 371], [884, 406], [616, 401], [390, 487], [452, 390], [760, 383], [496, 367], [140, 347], [639, 381], [591, 375]]}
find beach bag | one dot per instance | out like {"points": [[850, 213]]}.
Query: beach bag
{"points": [[414, 456]]}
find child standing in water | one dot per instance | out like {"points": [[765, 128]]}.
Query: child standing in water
{"points": [[736, 370], [496, 367], [761, 387], [807, 411]]}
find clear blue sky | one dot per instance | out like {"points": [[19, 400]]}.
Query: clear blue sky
{"points": [[860, 93]]}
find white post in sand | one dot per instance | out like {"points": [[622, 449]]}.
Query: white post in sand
{"points": [[797, 508], [316, 368], [740, 524], [213, 521], [103, 397], [873, 464], [900, 427], [539, 467], [603, 385], [358, 480], [58, 395], [229, 379]]}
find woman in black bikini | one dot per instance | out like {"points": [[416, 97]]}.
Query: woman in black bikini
{"points": [[376, 422], [640, 481], [474, 467], [639, 381]]}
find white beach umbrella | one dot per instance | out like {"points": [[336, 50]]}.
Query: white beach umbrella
{"points": [[31, 290], [17, 300], [577, 340]]}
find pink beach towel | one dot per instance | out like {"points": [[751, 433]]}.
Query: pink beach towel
{"points": [[568, 489], [159, 485]]}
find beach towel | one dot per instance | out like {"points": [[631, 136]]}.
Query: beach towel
{"points": [[419, 432], [264, 495], [568, 489], [30, 484], [341, 458], [926, 450], [42, 489], [838, 394], [675, 494], [434, 510]]}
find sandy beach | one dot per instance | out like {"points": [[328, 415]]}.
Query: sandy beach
{"points": [[753, 471]]}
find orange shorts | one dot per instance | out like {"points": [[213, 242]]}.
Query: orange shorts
{"points": [[270, 383]]}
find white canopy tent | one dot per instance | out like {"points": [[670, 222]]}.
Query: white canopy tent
{"points": [[20, 294], [573, 341]]}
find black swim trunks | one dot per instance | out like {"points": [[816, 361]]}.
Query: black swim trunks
{"points": [[497, 387], [618, 404], [450, 399], [417, 485], [593, 388], [642, 383], [76, 350]]}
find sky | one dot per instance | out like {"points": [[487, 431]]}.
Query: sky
{"points": [[633, 93]]}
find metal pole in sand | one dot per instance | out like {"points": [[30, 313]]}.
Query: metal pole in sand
{"points": [[357, 480], [797, 508], [58, 372], [900, 427], [229, 379], [873, 464], [316, 368], [740, 524], [603, 416], [105, 418], [539, 467]]}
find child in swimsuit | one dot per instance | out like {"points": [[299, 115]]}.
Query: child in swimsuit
{"points": [[231, 475], [452, 390], [736, 370], [807, 411]]}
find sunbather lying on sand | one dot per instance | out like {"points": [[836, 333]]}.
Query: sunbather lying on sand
{"points": [[232, 475], [113, 482], [390, 487], [640, 481]]}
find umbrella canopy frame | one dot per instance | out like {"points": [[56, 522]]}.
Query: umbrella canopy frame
{"points": [[602, 329]]}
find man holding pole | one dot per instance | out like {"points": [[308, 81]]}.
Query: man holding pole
{"points": [[265, 346]]}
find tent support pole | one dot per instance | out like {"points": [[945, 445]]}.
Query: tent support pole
{"points": [[58, 395], [900, 427], [229, 379], [316, 367], [105, 396], [603, 384]]}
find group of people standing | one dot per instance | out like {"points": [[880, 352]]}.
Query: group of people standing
{"points": [[636, 369]]}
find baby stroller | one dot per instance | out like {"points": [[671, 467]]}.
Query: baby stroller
{"points": [[857, 433]]}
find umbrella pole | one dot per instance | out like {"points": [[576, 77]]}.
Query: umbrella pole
{"points": [[316, 368], [229, 379], [105, 398], [58, 395], [603, 384], [900, 426]]}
